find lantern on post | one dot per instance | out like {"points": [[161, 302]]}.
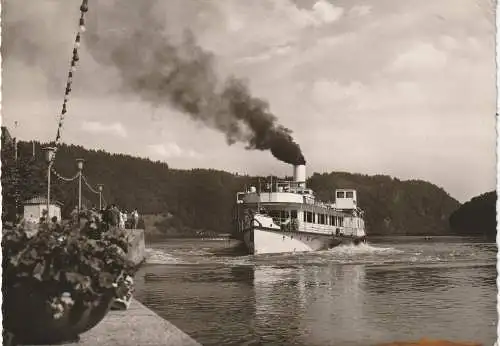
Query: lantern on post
{"points": [[100, 187], [79, 165], [49, 158]]}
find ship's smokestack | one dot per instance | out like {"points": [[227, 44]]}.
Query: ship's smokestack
{"points": [[299, 174]]}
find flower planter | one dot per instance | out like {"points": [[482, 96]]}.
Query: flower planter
{"points": [[30, 318], [61, 282]]}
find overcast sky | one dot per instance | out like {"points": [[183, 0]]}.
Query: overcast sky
{"points": [[398, 87]]}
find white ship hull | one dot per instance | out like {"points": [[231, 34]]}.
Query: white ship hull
{"points": [[267, 241]]}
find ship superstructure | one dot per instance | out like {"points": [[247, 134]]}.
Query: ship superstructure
{"points": [[285, 216]]}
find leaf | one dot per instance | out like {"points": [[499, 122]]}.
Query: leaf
{"points": [[56, 276], [75, 278], [38, 271], [33, 253], [15, 259], [106, 280]]}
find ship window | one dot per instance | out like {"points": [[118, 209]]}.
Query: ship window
{"points": [[309, 216], [330, 220], [293, 214], [340, 194], [349, 194], [314, 218], [305, 216], [275, 213], [322, 219]]}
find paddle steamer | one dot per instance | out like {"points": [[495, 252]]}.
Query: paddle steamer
{"points": [[285, 216]]}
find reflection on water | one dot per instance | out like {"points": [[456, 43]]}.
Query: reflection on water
{"points": [[346, 296]]}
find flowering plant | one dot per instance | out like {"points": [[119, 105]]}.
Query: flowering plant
{"points": [[80, 261]]}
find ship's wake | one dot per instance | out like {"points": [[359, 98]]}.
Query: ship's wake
{"points": [[364, 253], [342, 254], [158, 256], [363, 248], [193, 257]]}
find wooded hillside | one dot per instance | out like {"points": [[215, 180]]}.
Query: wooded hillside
{"points": [[477, 216], [183, 202]]}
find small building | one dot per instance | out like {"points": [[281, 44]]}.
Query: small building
{"points": [[34, 207]]}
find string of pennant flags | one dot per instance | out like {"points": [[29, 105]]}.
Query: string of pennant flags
{"points": [[88, 185], [53, 171], [74, 61], [74, 178]]}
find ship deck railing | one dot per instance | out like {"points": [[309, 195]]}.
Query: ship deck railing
{"points": [[324, 205], [280, 186], [288, 224]]}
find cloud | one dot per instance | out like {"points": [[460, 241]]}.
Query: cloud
{"points": [[95, 127], [449, 42], [326, 91], [361, 10], [420, 55], [322, 12], [267, 54], [171, 150], [272, 21], [325, 12]]}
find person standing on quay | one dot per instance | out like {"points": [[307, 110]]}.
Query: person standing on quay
{"points": [[121, 223], [135, 218], [125, 219], [114, 214]]}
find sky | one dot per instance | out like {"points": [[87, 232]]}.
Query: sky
{"points": [[403, 88]]}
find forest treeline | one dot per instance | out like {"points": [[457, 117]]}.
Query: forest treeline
{"points": [[477, 216], [185, 202]]}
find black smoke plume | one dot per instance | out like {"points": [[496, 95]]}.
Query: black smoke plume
{"points": [[182, 75]]}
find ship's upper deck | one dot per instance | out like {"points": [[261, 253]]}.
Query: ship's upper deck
{"points": [[291, 192]]}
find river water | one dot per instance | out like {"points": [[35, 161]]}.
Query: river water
{"points": [[390, 289]]}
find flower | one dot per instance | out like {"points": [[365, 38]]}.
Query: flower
{"points": [[66, 299]]}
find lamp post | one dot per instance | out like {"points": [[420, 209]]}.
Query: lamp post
{"points": [[99, 186], [49, 157], [79, 165]]}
